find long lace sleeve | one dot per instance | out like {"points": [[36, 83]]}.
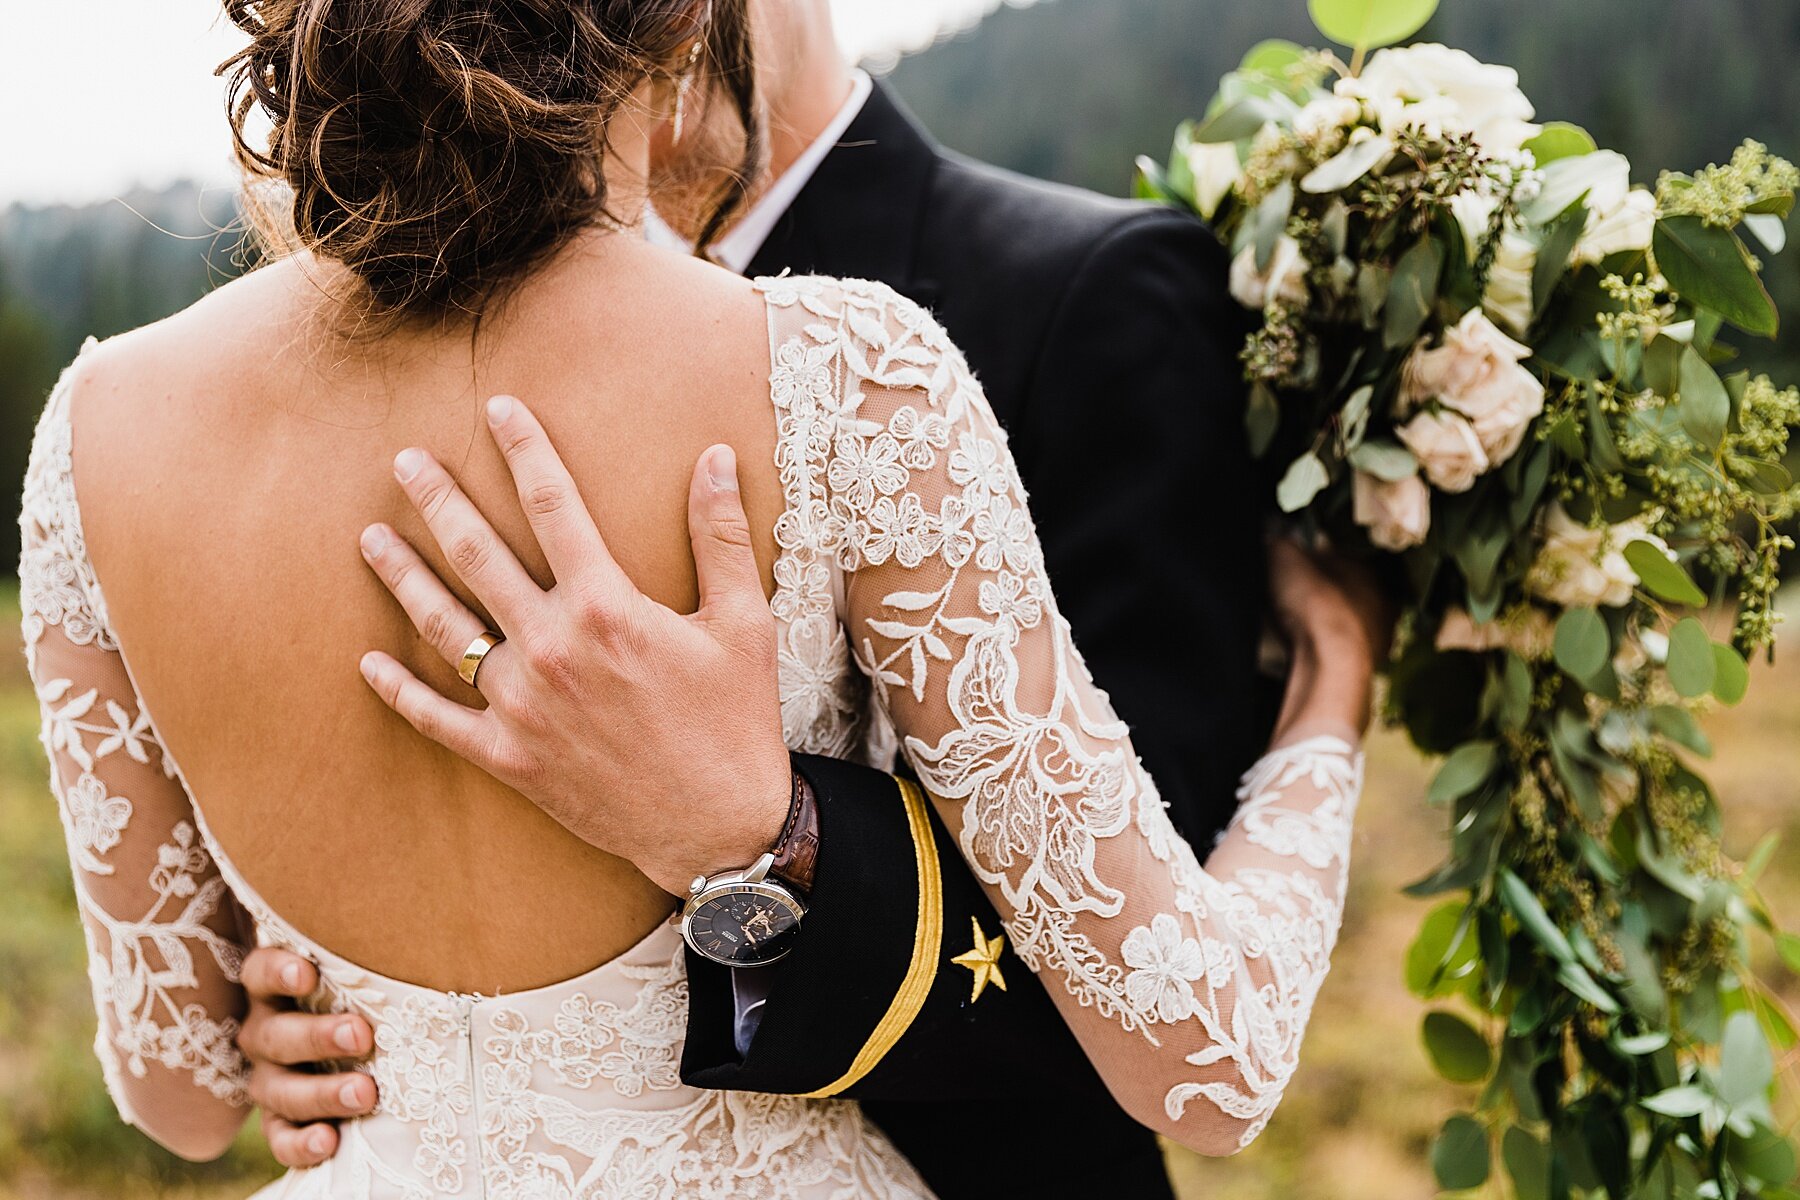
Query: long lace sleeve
{"points": [[1188, 985], [160, 924]]}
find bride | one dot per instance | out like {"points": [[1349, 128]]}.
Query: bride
{"points": [[464, 195]]}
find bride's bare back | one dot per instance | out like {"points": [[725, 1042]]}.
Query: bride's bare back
{"points": [[228, 459]]}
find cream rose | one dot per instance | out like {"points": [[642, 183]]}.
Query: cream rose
{"points": [[1216, 171], [1627, 225], [1397, 513], [1446, 446], [1477, 372], [1440, 90], [1580, 566], [1285, 280]]}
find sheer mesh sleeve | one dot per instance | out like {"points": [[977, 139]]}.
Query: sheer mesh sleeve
{"points": [[159, 921], [1188, 985]]}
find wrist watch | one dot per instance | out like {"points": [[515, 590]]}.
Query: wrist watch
{"points": [[751, 917]]}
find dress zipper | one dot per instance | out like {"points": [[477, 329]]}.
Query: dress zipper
{"points": [[465, 1007]]}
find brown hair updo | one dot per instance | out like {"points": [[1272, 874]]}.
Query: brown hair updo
{"points": [[439, 149]]}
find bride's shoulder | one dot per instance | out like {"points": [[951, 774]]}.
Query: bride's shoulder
{"points": [[227, 323]]}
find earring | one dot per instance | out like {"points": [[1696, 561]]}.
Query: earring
{"points": [[682, 87]]}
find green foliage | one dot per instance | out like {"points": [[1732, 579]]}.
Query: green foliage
{"points": [[1366, 24], [1600, 932]]}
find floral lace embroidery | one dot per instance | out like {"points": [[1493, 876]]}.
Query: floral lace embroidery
{"points": [[566, 1093], [899, 476], [156, 957]]}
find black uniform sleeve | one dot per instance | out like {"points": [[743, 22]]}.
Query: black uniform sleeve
{"points": [[871, 1004]]}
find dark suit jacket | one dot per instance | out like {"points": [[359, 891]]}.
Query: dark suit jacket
{"points": [[1104, 336]]}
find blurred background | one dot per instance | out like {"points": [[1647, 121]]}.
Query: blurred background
{"points": [[114, 190]]}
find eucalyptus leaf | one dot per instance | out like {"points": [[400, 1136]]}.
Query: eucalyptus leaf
{"points": [[1663, 577], [1412, 292], [1788, 944], [1705, 406], [1384, 460], [1366, 24], [1347, 166], [1709, 266], [1269, 221], [1457, 1049], [1552, 261], [1532, 918], [1460, 1157], [1353, 419], [1559, 139], [1465, 770], [1528, 1162], [1692, 665], [1306, 477], [1686, 1100], [1746, 1068], [1582, 644], [1679, 726], [1575, 977], [1442, 951], [1262, 417], [1242, 119], [1731, 675]]}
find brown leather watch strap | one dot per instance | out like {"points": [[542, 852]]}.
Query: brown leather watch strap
{"points": [[797, 850]]}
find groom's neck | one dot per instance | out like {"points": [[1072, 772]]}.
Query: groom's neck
{"points": [[807, 79]]}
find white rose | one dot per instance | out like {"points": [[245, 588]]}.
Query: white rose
{"points": [[1328, 112], [1476, 372], [1626, 225], [1216, 171], [1524, 629], [1440, 90], [1508, 299], [1580, 566], [1285, 280], [1473, 212], [1396, 513]]}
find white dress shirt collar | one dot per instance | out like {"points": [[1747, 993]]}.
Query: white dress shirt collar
{"points": [[741, 242]]}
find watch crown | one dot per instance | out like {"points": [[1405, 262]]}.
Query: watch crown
{"points": [[697, 886]]}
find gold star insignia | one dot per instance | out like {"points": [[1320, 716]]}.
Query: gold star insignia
{"points": [[983, 961]]}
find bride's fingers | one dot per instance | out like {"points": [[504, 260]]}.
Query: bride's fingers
{"points": [[446, 623], [564, 528], [465, 732], [476, 553]]}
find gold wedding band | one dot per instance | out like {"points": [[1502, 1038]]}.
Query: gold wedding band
{"points": [[478, 649]]}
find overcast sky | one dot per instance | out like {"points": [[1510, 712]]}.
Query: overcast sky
{"points": [[98, 95]]}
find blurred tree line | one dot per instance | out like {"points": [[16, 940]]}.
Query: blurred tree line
{"points": [[1070, 90]]}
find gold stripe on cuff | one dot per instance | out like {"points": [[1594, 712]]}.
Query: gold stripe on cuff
{"points": [[928, 934]]}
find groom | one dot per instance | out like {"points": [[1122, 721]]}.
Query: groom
{"points": [[1073, 310]]}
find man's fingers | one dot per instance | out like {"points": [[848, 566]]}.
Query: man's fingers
{"points": [[289, 1039], [465, 732], [476, 553], [725, 564], [564, 528], [446, 623], [301, 1098], [297, 1146], [269, 974]]}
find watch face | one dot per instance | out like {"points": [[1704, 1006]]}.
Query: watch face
{"points": [[743, 925]]}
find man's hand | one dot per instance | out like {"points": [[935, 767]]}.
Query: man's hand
{"points": [[300, 1110], [652, 735]]}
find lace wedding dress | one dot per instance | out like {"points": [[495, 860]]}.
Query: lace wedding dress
{"points": [[914, 615]]}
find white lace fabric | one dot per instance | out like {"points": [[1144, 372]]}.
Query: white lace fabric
{"points": [[906, 530], [913, 610], [567, 1092]]}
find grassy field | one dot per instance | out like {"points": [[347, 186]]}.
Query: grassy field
{"points": [[1356, 1123]]}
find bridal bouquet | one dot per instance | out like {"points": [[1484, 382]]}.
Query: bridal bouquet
{"points": [[1484, 353]]}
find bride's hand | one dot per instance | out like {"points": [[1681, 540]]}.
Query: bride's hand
{"points": [[1339, 625]]}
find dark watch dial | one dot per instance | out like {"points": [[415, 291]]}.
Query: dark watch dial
{"points": [[743, 924]]}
